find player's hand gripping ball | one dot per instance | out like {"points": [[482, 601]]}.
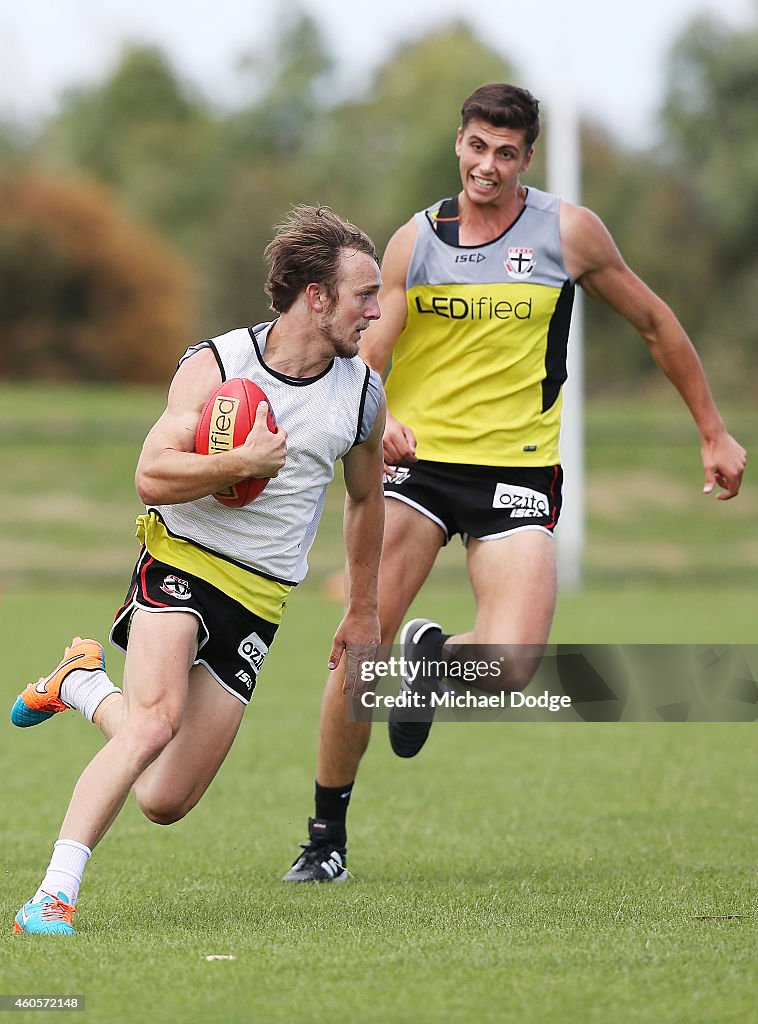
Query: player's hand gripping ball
{"points": [[225, 422]]}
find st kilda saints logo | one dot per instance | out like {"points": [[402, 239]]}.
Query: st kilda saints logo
{"points": [[520, 262], [174, 586]]}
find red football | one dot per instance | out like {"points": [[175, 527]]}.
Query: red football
{"points": [[226, 420]]}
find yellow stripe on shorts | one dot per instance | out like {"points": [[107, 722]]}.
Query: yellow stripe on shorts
{"points": [[261, 596]]}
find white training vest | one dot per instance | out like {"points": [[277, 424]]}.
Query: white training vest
{"points": [[324, 417]]}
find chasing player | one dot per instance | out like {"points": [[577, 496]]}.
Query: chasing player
{"points": [[476, 298]]}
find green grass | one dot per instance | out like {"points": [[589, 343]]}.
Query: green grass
{"points": [[67, 479], [521, 873], [530, 873]]}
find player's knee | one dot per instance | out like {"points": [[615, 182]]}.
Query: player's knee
{"points": [[519, 672], [163, 808], [156, 737], [147, 735], [163, 814], [516, 664]]}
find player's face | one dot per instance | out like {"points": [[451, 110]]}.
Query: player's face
{"points": [[356, 304], [490, 161]]}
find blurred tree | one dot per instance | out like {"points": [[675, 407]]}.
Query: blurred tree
{"points": [[267, 146], [198, 175], [711, 114], [381, 157], [291, 79], [654, 218], [712, 118], [374, 159], [148, 136], [215, 183], [13, 143], [98, 123], [85, 294], [234, 269]]}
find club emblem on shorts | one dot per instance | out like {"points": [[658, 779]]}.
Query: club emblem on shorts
{"points": [[401, 475], [176, 587], [253, 650], [520, 262]]}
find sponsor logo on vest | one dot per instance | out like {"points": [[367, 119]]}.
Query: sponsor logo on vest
{"points": [[520, 262], [470, 257], [455, 307], [522, 502], [176, 587], [253, 650]]}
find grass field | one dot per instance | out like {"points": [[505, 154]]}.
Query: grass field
{"points": [[524, 873]]}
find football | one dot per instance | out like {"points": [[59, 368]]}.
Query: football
{"points": [[226, 420]]}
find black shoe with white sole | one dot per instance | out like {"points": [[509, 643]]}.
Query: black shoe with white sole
{"points": [[420, 641], [324, 858]]}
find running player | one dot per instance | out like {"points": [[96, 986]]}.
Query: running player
{"points": [[211, 582], [476, 297]]}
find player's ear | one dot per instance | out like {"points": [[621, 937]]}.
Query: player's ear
{"points": [[527, 160], [316, 297], [459, 142]]}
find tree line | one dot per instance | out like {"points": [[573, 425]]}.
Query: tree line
{"points": [[133, 220]]}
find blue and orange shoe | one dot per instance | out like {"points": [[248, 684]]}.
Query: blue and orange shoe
{"points": [[50, 916], [42, 700]]}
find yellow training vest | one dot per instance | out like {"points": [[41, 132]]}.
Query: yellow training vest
{"points": [[478, 369]]}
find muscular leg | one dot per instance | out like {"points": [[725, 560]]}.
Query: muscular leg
{"points": [[171, 786], [167, 737], [514, 583], [161, 650], [342, 743]]}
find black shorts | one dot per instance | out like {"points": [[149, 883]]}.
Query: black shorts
{"points": [[232, 642], [485, 502]]}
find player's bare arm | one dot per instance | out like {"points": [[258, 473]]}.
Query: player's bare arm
{"points": [[595, 262], [169, 471], [363, 529], [379, 340]]}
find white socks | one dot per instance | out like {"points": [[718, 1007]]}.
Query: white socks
{"points": [[64, 873], [85, 689]]}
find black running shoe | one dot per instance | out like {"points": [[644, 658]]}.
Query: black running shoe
{"points": [[417, 642], [324, 858]]}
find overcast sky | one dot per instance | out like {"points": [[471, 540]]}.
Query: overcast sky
{"points": [[615, 52]]}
